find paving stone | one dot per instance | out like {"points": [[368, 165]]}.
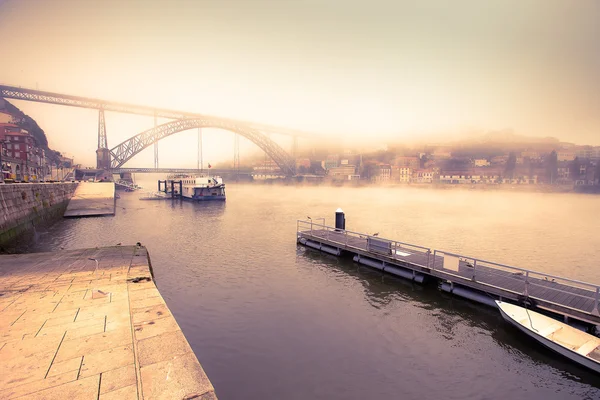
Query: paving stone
{"points": [[93, 343], [35, 385], [126, 393], [107, 360], [162, 347], [150, 313], [118, 378], [158, 326], [58, 368], [86, 388], [67, 327], [180, 377]]}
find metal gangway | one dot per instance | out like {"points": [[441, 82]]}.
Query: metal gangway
{"points": [[127, 185]]}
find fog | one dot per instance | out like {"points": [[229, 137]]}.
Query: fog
{"points": [[368, 71]]}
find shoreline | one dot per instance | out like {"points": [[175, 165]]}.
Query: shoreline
{"points": [[539, 188]]}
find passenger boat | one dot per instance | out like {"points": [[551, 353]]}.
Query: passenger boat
{"points": [[572, 343], [199, 187]]}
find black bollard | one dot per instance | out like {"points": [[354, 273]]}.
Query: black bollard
{"points": [[340, 220]]}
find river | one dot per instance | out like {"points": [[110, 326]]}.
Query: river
{"points": [[270, 319]]}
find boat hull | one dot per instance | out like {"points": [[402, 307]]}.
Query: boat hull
{"points": [[205, 198], [556, 347]]}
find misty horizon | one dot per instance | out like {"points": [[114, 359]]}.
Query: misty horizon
{"points": [[376, 71]]}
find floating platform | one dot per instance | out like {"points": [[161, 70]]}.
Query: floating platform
{"points": [[469, 277], [91, 324], [92, 199]]}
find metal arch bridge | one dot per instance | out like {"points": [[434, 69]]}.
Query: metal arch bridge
{"points": [[184, 120], [129, 148], [19, 93]]}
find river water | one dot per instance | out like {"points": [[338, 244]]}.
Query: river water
{"points": [[272, 320]]}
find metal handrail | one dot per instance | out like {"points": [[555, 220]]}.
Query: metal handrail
{"points": [[587, 284], [490, 264], [358, 234]]}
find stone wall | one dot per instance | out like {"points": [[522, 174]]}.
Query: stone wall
{"points": [[24, 206]]}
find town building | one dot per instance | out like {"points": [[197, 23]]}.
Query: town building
{"points": [[407, 161], [267, 169], [481, 162], [21, 158], [566, 155], [589, 153], [332, 161], [401, 174], [423, 176], [382, 173], [343, 172]]}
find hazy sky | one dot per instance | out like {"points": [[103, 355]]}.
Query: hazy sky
{"points": [[376, 68]]}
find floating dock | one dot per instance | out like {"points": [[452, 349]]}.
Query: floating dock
{"points": [[91, 324], [473, 278], [92, 199]]}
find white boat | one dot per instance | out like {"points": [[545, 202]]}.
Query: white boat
{"points": [[155, 196], [572, 343], [198, 187]]}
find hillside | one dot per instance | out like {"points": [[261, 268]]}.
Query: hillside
{"points": [[28, 123]]}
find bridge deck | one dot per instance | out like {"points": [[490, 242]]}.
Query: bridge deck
{"points": [[561, 295]]}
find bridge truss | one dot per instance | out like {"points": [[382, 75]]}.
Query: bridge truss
{"points": [[124, 151]]}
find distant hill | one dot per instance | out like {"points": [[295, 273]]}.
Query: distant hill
{"points": [[28, 123]]}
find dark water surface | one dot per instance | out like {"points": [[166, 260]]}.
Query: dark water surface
{"points": [[271, 320]]}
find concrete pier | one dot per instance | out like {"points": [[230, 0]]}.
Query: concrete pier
{"points": [[92, 199], [91, 324]]}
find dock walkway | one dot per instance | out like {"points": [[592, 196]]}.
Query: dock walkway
{"points": [[92, 199], [91, 324], [568, 297]]}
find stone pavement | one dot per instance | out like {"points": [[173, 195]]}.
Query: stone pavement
{"points": [[92, 199], [91, 324]]}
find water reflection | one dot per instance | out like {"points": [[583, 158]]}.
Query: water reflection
{"points": [[452, 315]]}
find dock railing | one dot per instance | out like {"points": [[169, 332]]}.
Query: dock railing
{"points": [[525, 282], [364, 242], [520, 281]]}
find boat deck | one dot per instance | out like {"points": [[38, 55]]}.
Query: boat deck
{"points": [[561, 295]]}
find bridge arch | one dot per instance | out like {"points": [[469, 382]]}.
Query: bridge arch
{"points": [[124, 151]]}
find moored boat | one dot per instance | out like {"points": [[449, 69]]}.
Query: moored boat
{"points": [[199, 187], [564, 339]]}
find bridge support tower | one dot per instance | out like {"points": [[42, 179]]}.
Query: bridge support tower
{"points": [[103, 153]]}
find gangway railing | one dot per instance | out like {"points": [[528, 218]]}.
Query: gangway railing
{"points": [[127, 184], [472, 271]]}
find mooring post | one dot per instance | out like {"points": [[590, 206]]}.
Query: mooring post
{"points": [[340, 220], [474, 266], [526, 291]]}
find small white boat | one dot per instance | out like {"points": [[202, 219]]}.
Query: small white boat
{"points": [[579, 346], [155, 196]]}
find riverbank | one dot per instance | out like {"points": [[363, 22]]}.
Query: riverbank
{"points": [[26, 206], [91, 323], [540, 188]]}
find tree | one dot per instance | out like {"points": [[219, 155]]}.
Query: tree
{"points": [[511, 164], [597, 173], [552, 167], [574, 167]]}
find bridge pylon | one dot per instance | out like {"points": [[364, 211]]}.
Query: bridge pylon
{"points": [[103, 153]]}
